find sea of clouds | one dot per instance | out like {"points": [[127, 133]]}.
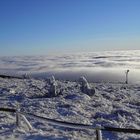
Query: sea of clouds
{"points": [[108, 66]]}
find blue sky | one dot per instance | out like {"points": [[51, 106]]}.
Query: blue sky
{"points": [[31, 27]]}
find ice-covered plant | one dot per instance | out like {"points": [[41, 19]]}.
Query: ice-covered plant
{"points": [[53, 89], [85, 88], [53, 84], [84, 83], [51, 79], [26, 76]]}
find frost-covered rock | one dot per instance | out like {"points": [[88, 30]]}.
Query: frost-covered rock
{"points": [[85, 88]]}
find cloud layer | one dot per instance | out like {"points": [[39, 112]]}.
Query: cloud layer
{"points": [[71, 65]]}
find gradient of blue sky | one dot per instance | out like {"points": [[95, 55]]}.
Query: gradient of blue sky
{"points": [[29, 27]]}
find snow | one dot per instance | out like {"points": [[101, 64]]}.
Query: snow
{"points": [[113, 104], [103, 100]]}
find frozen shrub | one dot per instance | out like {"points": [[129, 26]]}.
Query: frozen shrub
{"points": [[85, 88], [51, 80], [53, 90], [53, 84], [26, 76]]}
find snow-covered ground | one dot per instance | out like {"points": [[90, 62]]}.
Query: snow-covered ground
{"points": [[113, 104]]}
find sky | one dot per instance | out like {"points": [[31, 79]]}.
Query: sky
{"points": [[36, 27]]}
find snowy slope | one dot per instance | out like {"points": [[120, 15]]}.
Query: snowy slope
{"points": [[116, 105]]}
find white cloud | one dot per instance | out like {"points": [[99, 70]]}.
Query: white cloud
{"points": [[94, 64]]}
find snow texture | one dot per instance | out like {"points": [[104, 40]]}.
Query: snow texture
{"points": [[102, 98], [115, 105]]}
